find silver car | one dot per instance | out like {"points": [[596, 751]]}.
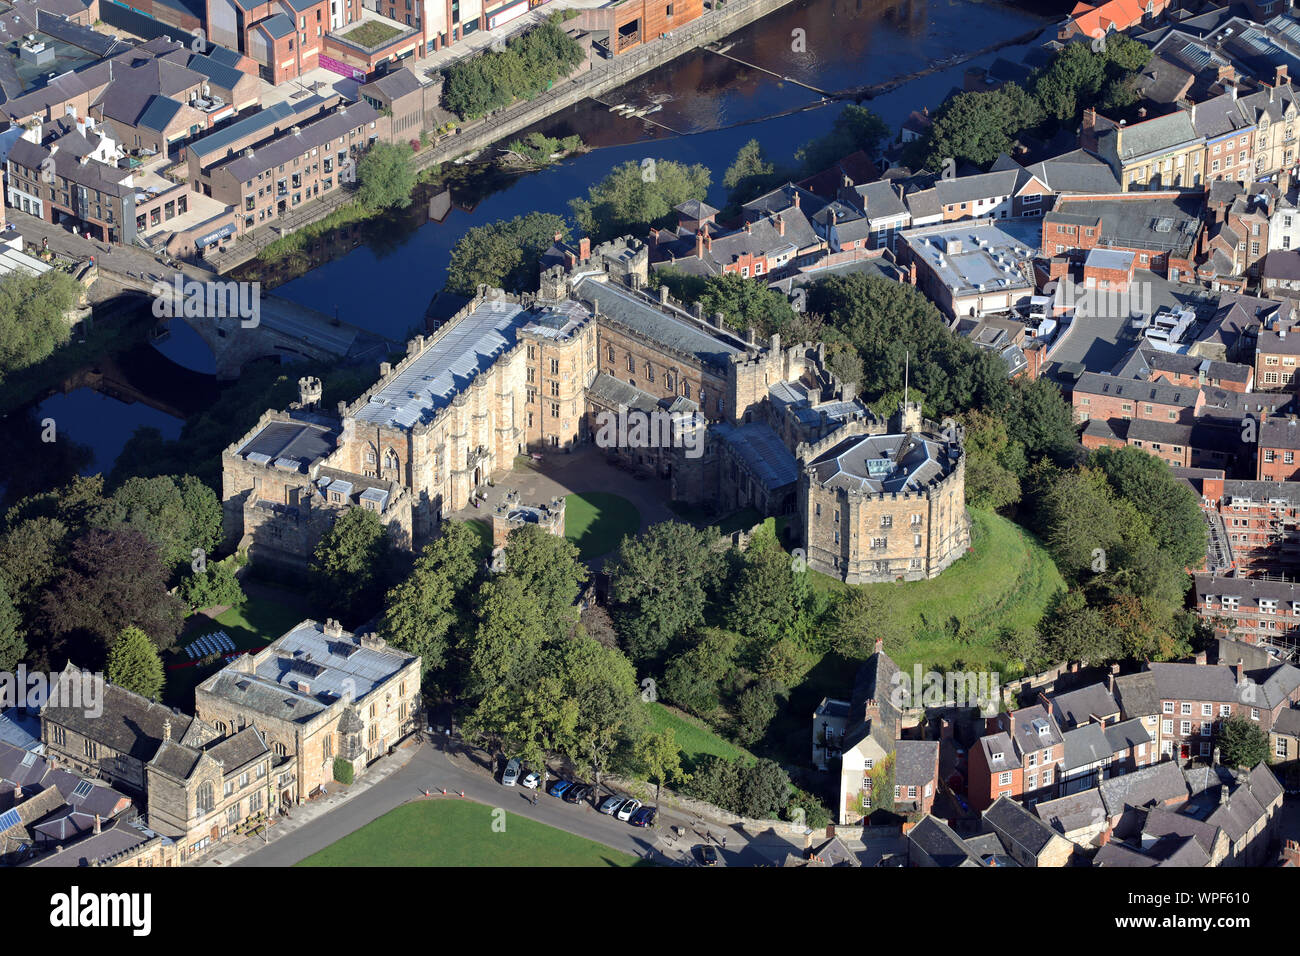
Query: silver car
{"points": [[510, 776]]}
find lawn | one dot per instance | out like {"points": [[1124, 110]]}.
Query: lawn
{"points": [[1005, 581], [267, 614], [693, 736], [462, 833], [483, 529], [597, 521]]}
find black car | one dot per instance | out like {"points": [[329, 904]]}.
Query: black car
{"points": [[577, 793], [708, 855]]}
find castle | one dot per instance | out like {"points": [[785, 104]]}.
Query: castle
{"points": [[869, 499]]}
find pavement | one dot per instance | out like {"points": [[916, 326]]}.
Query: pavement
{"points": [[416, 768]]}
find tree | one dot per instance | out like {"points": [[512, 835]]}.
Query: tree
{"points": [[989, 482], [113, 579], [764, 601], [31, 553], [530, 63], [351, 563], [1170, 507], [659, 754], [658, 582], [692, 678], [1040, 421], [862, 616], [385, 177], [636, 196], [844, 363], [978, 127], [547, 567], [1081, 521], [176, 514], [214, 586], [508, 639], [1073, 631], [750, 174], [133, 664], [888, 322], [745, 304], [33, 319], [600, 683], [756, 708], [856, 128], [1242, 743], [12, 645], [426, 607], [503, 255]]}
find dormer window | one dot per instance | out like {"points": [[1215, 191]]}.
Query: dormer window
{"points": [[997, 756]]}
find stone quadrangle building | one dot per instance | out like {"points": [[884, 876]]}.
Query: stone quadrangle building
{"points": [[870, 499]]}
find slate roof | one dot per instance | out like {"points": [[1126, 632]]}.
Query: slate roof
{"points": [[1171, 223], [1086, 745], [999, 743], [654, 323], [289, 145], [1127, 734], [1136, 695], [114, 838], [1017, 827], [129, 723], [876, 464], [1194, 682], [1156, 784], [1145, 363], [1162, 822], [393, 85], [762, 450], [1074, 812], [916, 763], [1086, 704], [1154, 136], [941, 844]]}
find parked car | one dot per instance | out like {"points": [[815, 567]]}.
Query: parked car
{"points": [[708, 856], [559, 787], [510, 776], [645, 817], [610, 805], [532, 780], [898, 859], [626, 810], [577, 793]]}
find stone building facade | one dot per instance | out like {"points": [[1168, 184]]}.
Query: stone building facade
{"points": [[316, 695], [883, 504]]}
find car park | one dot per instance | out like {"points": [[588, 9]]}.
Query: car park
{"points": [[510, 776], [610, 805], [626, 810]]}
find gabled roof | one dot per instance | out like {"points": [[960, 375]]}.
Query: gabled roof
{"points": [[1018, 828], [941, 844], [1153, 785]]}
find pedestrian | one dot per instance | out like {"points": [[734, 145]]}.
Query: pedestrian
{"points": [[724, 842]]}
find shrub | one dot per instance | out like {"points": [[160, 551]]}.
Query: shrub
{"points": [[342, 771]]}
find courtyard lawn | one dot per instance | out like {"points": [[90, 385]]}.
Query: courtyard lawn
{"points": [[484, 531], [694, 737], [268, 613], [597, 521], [461, 833]]}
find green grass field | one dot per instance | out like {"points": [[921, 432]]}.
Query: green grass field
{"points": [[596, 521], [461, 833], [693, 736]]}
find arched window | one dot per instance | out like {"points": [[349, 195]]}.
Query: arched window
{"points": [[203, 801], [390, 458]]}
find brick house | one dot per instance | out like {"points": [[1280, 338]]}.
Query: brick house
{"points": [[1277, 351], [1279, 443], [1261, 520], [916, 775], [1019, 757], [1027, 839], [1100, 396], [1162, 229]]}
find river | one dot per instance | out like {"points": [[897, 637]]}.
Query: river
{"points": [[711, 105]]}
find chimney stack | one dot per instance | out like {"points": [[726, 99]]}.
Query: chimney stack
{"points": [[97, 824], [167, 730]]}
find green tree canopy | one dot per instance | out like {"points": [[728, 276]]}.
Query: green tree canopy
{"points": [[424, 610], [1242, 742], [503, 255], [658, 583], [32, 322], [636, 196], [856, 128], [661, 759], [351, 565], [547, 567], [978, 127], [385, 177], [12, 646], [133, 663]]}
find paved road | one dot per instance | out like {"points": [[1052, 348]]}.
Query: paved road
{"points": [[431, 768]]}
